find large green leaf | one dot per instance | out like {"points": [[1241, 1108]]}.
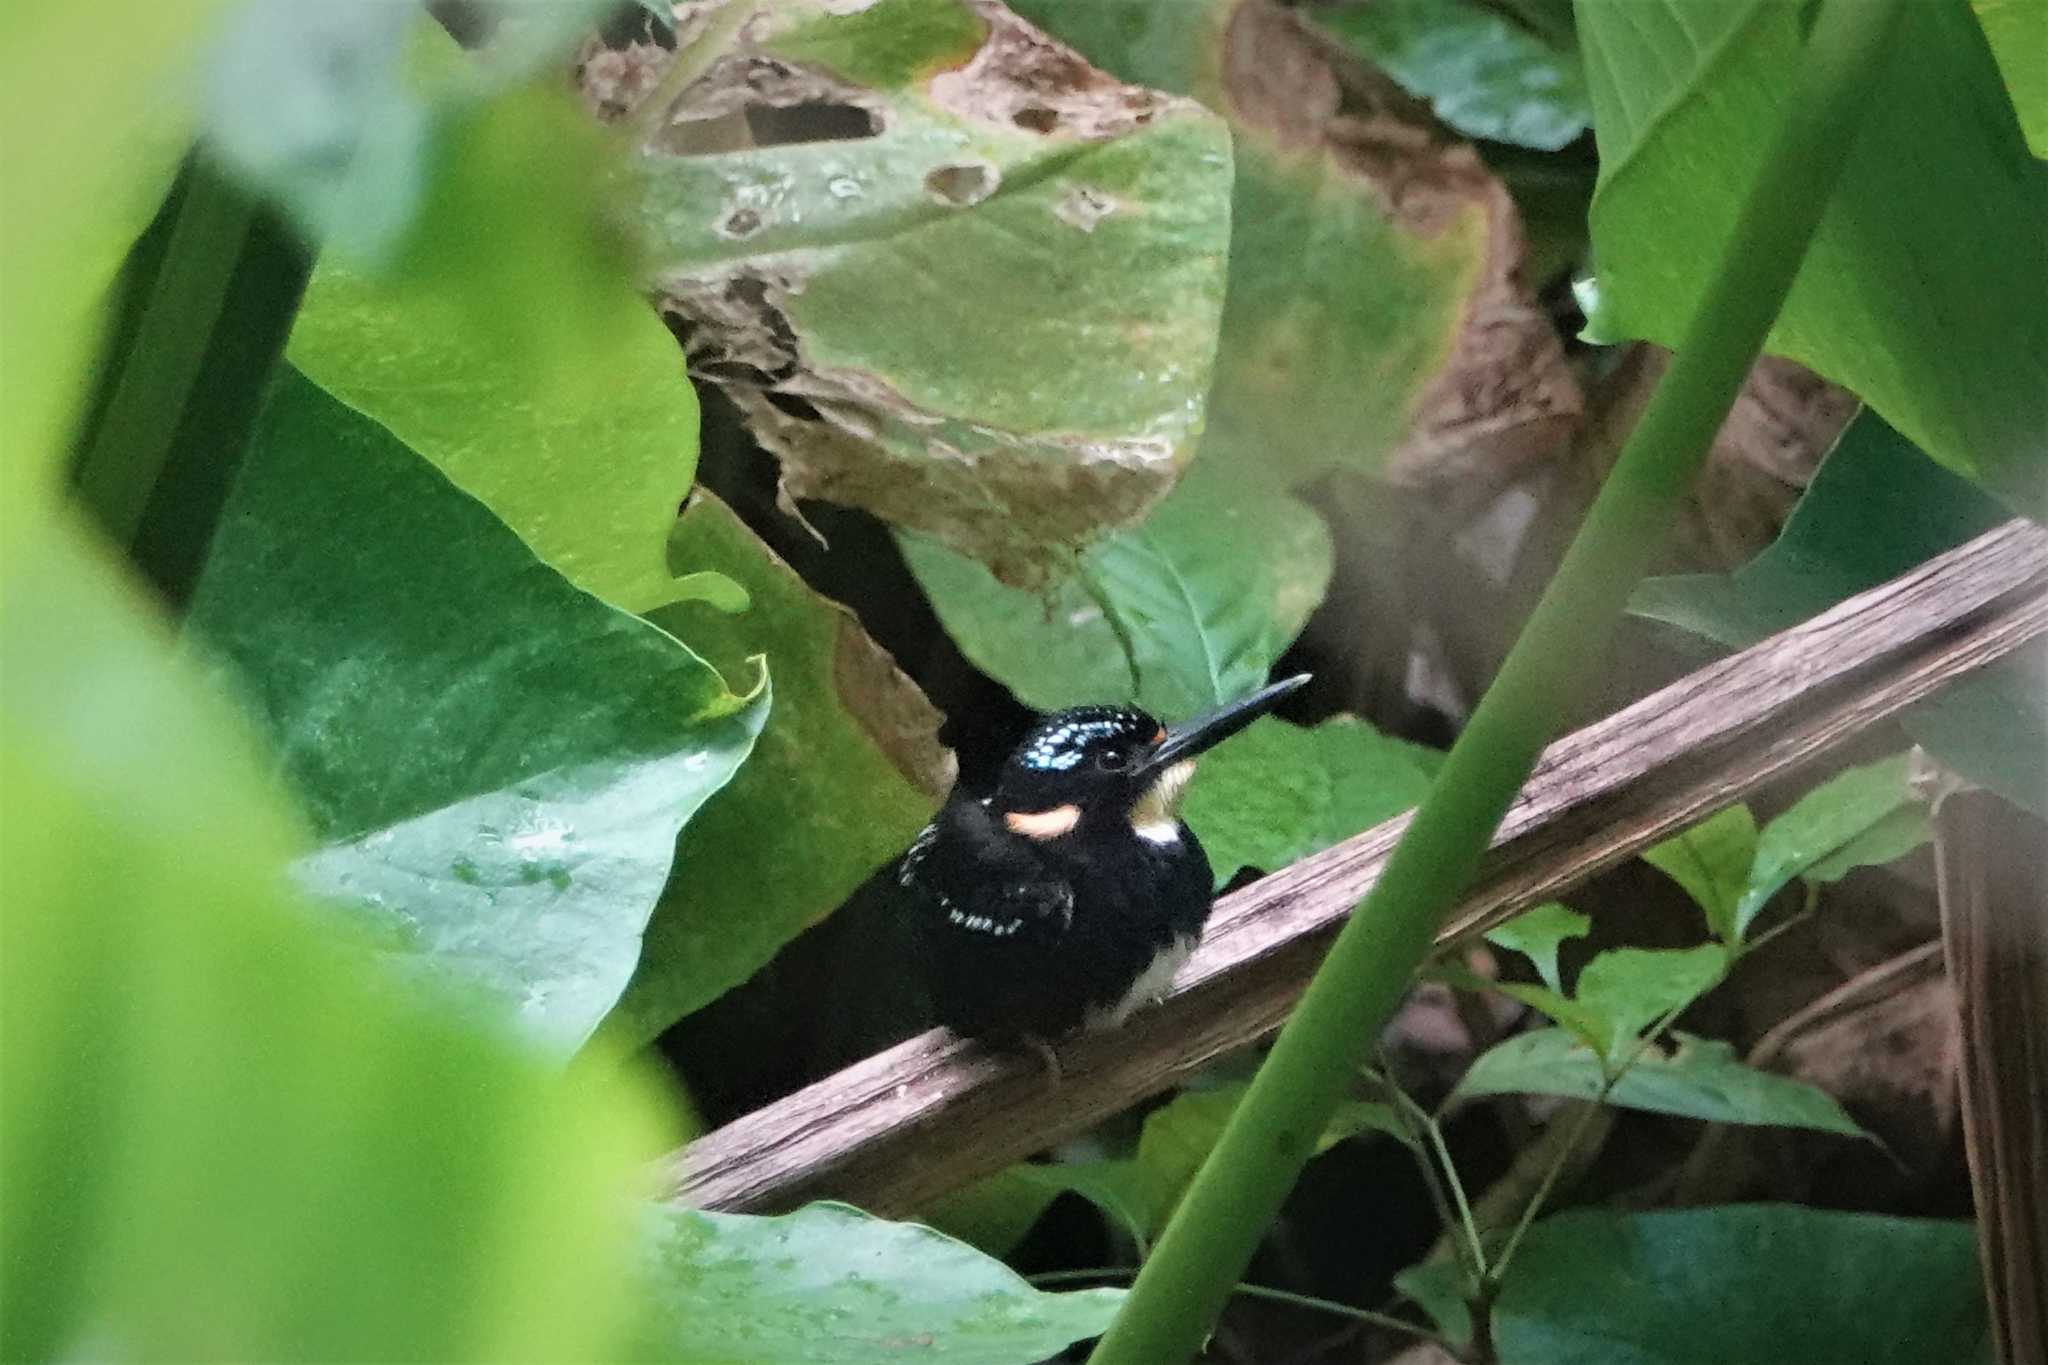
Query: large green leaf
{"points": [[496, 764], [1280, 792], [845, 772], [532, 373], [2018, 33], [1699, 1079], [223, 1135], [1179, 614], [831, 1286], [1940, 325], [992, 317], [1482, 72], [1878, 507], [1742, 1283], [1368, 327]]}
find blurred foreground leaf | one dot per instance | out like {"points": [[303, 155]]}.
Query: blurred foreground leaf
{"points": [[830, 1285], [223, 1135], [1878, 507], [1686, 93], [1700, 1079], [1746, 1282], [846, 771], [79, 191], [976, 293], [496, 763], [2018, 33]]}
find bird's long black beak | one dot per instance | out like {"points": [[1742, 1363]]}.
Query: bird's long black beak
{"points": [[1191, 737]]}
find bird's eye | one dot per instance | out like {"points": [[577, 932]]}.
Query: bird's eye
{"points": [[1111, 759]]}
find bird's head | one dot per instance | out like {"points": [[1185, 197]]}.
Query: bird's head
{"points": [[1089, 763]]}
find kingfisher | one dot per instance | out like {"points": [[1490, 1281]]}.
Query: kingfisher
{"points": [[1072, 893]]}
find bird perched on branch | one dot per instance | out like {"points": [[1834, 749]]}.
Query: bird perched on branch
{"points": [[1071, 894]]}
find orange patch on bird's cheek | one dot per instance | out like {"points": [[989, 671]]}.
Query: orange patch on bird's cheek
{"points": [[1043, 824]]}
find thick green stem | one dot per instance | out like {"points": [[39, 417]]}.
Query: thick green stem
{"points": [[1206, 1246]]}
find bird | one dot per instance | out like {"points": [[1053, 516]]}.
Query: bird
{"points": [[1070, 894]]}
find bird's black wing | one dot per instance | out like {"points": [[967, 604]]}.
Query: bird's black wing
{"points": [[967, 878]]}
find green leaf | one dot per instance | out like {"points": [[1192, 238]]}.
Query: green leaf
{"points": [[1711, 861], [1280, 792], [1182, 613], [1863, 815], [1537, 934], [496, 764], [2018, 33], [1629, 989], [846, 771], [1438, 1288], [1950, 345], [207, 1099], [1700, 1079], [1742, 1283], [1411, 302], [533, 374], [828, 1284], [886, 295], [1484, 74], [1140, 1191], [1876, 508]]}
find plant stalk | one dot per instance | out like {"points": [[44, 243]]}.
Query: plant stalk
{"points": [[1209, 1241]]}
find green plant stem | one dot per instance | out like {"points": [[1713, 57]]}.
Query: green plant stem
{"points": [[119, 467], [690, 63], [1235, 1195], [1465, 1221], [1414, 1121], [1260, 1291]]}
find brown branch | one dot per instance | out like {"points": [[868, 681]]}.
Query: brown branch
{"points": [[907, 1125], [1994, 923]]}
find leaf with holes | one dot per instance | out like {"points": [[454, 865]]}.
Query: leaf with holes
{"points": [[1369, 327], [496, 764], [864, 215]]}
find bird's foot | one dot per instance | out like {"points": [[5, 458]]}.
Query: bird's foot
{"points": [[1044, 1052]]}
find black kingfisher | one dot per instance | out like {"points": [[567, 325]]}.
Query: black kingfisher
{"points": [[1073, 892]]}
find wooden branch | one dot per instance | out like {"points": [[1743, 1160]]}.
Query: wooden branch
{"points": [[897, 1130], [1994, 924]]}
